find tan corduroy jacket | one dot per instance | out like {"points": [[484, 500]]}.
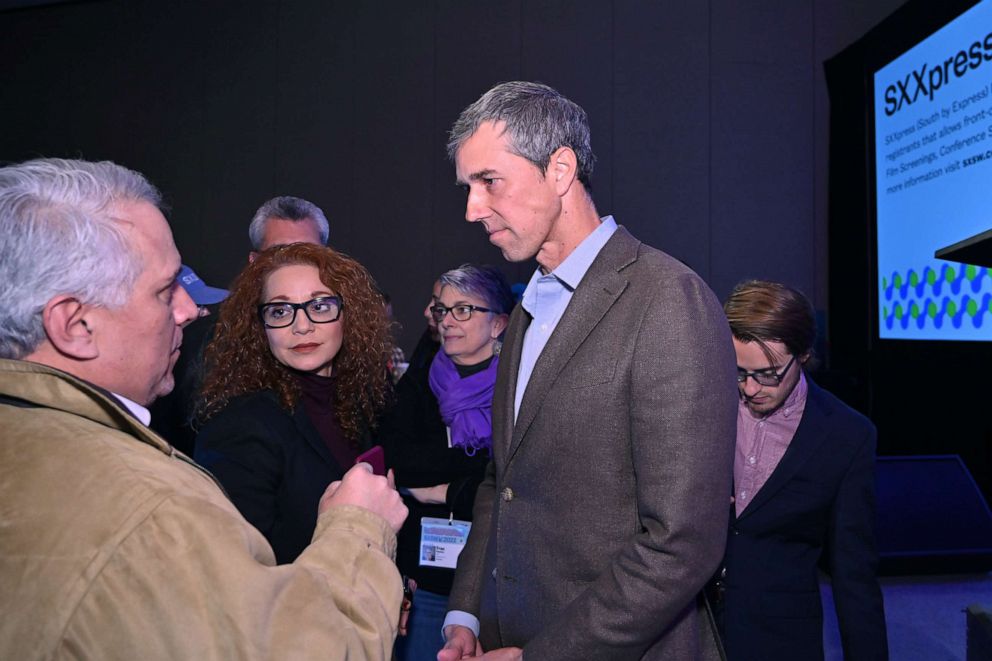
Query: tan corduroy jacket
{"points": [[115, 546]]}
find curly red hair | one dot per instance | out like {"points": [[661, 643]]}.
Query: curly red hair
{"points": [[238, 360]]}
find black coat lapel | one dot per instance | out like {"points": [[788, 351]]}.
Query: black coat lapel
{"points": [[312, 436], [812, 431]]}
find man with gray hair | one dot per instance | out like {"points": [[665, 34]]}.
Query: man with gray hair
{"points": [[286, 219], [604, 509], [112, 544]]}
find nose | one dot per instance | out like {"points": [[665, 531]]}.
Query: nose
{"points": [[750, 387], [302, 323], [476, 207], [448, 321], [184, 310]]}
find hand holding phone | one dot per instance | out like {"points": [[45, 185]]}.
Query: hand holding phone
{"points": [[376, 458]]}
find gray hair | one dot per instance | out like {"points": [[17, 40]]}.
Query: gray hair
{"points": [[539, 121], [486, 282], [287, 207], [60, 234]]}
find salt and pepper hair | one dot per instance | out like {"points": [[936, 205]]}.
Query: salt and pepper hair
{"points": [[287, 207], [485, 282], [539, 121], [762, 311], [61, 234]]}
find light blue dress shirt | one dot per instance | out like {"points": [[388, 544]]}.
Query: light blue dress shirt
{"points": [[545, 300], [547, 296]]}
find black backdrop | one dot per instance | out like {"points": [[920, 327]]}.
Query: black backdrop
{"points": [[709, 118], [710, 122]]}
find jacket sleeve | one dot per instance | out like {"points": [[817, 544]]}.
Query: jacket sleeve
{"points": [[681, 422], [853, 558], [460, 498], [198, 583]]}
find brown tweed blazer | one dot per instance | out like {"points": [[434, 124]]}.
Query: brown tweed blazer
{"points": [[604, 510]]}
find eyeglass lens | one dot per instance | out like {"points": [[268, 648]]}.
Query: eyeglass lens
{"points": [[459, 312], [318, 310], [765, 377]]}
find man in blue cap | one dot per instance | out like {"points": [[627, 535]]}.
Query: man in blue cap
{"points": [[171, 414], [201, 293]]}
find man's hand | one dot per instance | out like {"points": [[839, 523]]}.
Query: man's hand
{"points": [[462, 644], [504, 654], [359, 487]]}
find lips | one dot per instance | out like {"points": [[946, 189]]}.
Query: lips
{"points": [[306, 347]]}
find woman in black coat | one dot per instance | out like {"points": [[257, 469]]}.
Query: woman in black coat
{"points": [[295, 371]]}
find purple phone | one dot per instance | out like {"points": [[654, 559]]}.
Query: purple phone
{"points": [[376, 458]]}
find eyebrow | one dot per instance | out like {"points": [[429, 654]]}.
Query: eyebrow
{"points": [[313, 295], [760, 369], [172, 280], [476, 176]]}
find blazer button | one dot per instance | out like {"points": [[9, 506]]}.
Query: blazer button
{"points": [[507, 494]]}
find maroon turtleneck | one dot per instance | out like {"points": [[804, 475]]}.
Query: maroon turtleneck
{"points": [[318, 403]]}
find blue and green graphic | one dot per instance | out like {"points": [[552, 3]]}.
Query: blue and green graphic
{"points": [[955, 296]]}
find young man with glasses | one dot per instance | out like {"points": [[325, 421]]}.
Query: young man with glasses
{"points": [[803, 487]]}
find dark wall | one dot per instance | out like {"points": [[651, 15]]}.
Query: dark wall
{"points": [[709, 119]]}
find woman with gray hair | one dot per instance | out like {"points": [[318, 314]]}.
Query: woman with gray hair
{"points": [[438, 439]]}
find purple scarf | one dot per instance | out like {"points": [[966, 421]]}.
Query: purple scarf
{"points": [[466, 404]]}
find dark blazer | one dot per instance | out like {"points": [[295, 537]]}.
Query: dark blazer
{"points": [[819, 499], [274, 466], [604, 510]]}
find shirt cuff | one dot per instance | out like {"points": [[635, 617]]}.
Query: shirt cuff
{"points": [[461, 618]]}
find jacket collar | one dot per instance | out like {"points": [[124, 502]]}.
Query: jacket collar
{"points": [[811, 433], [51, 388], [599, 290]]}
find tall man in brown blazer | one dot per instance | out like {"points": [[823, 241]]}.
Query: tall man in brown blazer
{"points": [[604, 509]]}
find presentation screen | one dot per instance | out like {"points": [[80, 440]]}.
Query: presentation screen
{"points": [[933, 177]]}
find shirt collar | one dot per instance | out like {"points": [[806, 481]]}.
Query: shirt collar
{"points": [[136, 409], [571, 271], [574, 267], [796, 400]]}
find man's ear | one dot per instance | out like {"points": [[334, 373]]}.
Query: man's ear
{"points": [[563, 167], [67, 325]]}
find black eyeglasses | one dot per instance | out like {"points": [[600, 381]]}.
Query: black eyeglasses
{"points": [[764, 377], [321, 310], [459, 312]]}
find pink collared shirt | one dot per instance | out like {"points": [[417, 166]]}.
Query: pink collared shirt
{"points": [[761, 443]]}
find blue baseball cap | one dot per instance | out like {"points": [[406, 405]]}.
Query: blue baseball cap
{"points": [[198, 289]]}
